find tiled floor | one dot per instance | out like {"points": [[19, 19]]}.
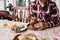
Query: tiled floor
{"points": [[48, 34]]}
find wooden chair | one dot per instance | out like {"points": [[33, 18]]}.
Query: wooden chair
{"points": [[20, 13]]}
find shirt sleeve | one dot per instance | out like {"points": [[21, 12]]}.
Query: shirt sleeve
{"points": [[54, 16], [30, 8]]}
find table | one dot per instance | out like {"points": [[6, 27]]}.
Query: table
{"points": [[8, 34]]}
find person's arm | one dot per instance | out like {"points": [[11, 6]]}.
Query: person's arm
{"points": [[29, 9], [28, 13], [54, 19], [54, 16]]}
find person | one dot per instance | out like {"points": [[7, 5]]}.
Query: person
{"points": [[46, 13]]}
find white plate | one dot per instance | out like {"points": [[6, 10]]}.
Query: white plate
{"points": [[20, 23]]}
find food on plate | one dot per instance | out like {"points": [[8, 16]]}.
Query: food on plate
{"points": [[14, 27], [21, 26], [28, 36], [17, 28], [24, 37], [5, 25], [31, 36]]}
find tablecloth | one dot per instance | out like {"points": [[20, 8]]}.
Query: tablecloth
{"points": [[49, 34]]}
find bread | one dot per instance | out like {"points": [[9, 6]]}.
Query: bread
{"points": [[23, 37], [27, 37]]}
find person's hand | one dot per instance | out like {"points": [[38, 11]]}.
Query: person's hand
{"points": [[33, 20], [38, 25], [41, 25], [31, 27]]}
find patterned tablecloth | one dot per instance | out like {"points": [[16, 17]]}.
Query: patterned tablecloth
{"points": [[48, 34]]}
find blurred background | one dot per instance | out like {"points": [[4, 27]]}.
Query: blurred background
{"points": [[17, 4], [4, 3]]}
